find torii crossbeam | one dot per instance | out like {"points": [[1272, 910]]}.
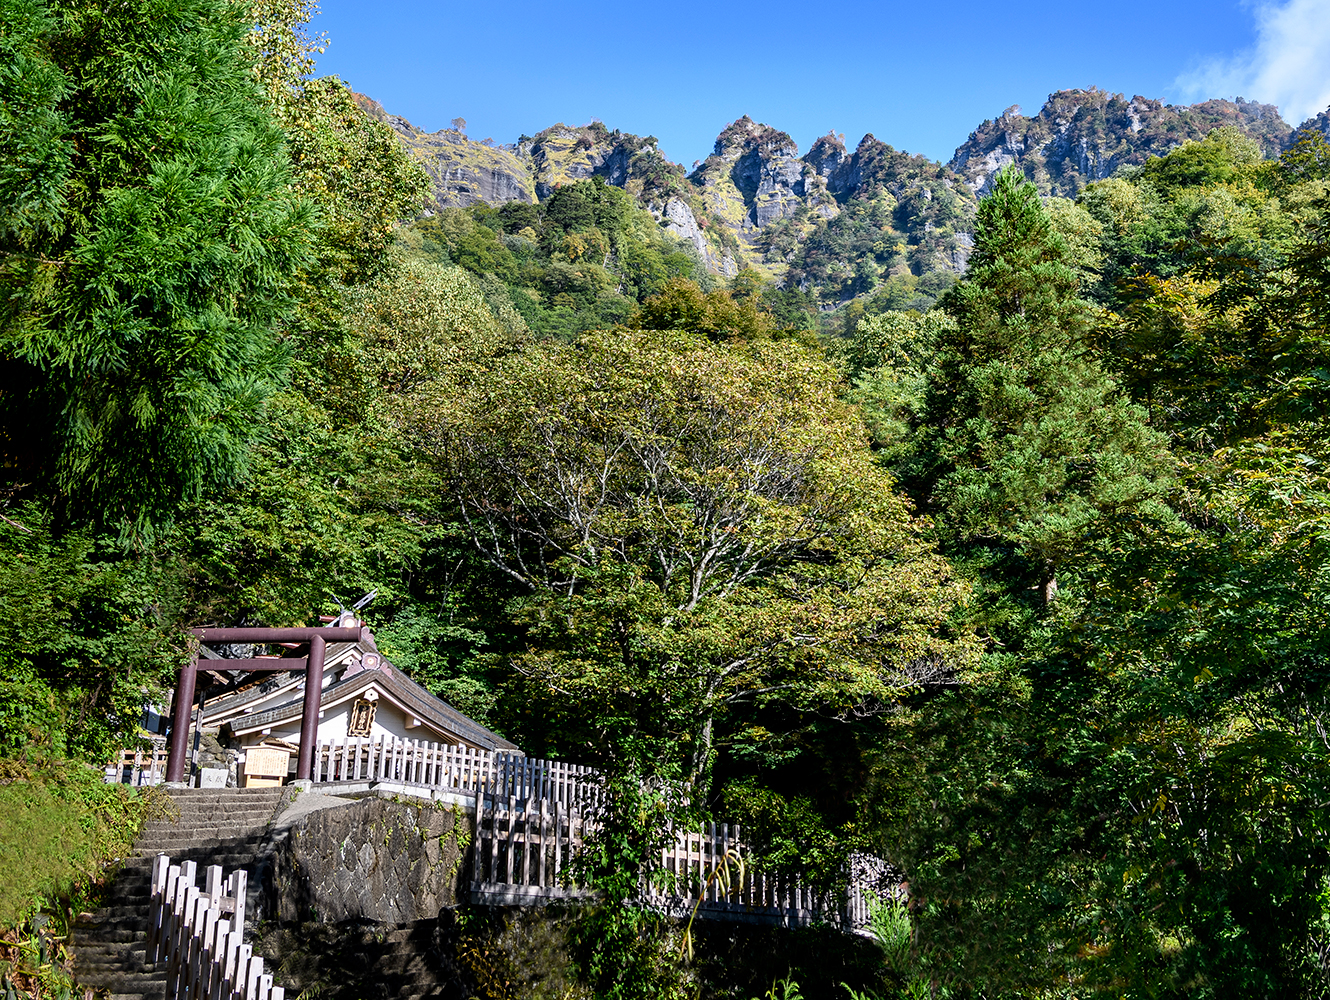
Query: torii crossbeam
{"points": [[317, 640]]}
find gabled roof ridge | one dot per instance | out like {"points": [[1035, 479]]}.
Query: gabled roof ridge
{"points": [[431, 709]]}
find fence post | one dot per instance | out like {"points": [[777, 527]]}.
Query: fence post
{"points": [[242, 970], [544, 836], [161, 866], [239, 893]]}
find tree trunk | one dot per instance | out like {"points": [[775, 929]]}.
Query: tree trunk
{"points": [[1048, 586], [701, 756]]}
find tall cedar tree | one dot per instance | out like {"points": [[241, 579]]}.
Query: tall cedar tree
{"points": [[1033, 444], [145, 267]]}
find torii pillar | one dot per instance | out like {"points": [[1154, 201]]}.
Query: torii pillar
{"points": [[316, 638]]}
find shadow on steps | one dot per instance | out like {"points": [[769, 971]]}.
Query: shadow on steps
{"points": [[365, 960]]}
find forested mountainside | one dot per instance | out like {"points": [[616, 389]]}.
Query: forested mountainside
{"points": [[872, 229]]}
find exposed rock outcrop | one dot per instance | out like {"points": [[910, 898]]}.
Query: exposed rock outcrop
{"points": [[466, 172], [1080, 136], [753, 177], [562, 154], [1320, 123], [754, 201], [463, 172]]}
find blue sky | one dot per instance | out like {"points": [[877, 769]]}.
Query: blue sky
{"points": [[917, 75]]}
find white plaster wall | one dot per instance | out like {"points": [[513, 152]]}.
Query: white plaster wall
{"points": [[389, 722]]}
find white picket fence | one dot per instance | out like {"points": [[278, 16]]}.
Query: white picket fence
{"points": [[460, 769], [533, 815], [199, 934], [522, 850]]}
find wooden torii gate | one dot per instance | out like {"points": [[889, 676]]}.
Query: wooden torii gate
{"points": [[316, 638]]}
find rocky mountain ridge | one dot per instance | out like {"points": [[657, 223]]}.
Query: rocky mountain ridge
{"points": [[1080, 136], [755, 199]]}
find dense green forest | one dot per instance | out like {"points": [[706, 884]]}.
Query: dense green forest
{"points": [[1019, 581]]}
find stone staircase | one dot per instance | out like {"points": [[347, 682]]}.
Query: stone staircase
{"points": [[226, 827]]}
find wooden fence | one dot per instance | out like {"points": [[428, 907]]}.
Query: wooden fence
{"points": [[532, 816], [199, 934], [522, 850], [463, 769], [139, 767]]}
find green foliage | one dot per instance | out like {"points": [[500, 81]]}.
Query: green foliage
{"points": [[1032, 444], [353, 167], [339, 502], [617, 943], [782, 989], [682, 305], [87, 636], [59, 825], [577, 262], [700, 528], [882, 247], [790, 835], [1123, 803], [671, 548], [141, 294], [356, 170], [445, 650], [1216, 159], [34, 161], [889, 923], [888, 365]]}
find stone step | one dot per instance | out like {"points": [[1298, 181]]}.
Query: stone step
{"points": [[126, 918], [198, 852], [205, 859], [109, 968], [195, 806], [109, 963], [167, 845], [214, 834], [224, 845], [215, 812], [179, 794], [240, 837], [257, 818], [133, 881], [216, 804], [133, 982], [191, 823], [222, 828]]}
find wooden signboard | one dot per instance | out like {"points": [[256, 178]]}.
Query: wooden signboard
{"points": [[361, 720], [266, 767]]}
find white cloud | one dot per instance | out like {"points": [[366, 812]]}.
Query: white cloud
{"points": [[1289, 65]]}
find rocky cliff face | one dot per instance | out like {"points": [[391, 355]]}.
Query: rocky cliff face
{"points": [[755, 201], [563, 154], [1320, 123], [753, 177], [1083, 135], [463, 172]]}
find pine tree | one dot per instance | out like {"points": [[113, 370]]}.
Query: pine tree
{"points": [[141, 288], [1034, 444]]}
